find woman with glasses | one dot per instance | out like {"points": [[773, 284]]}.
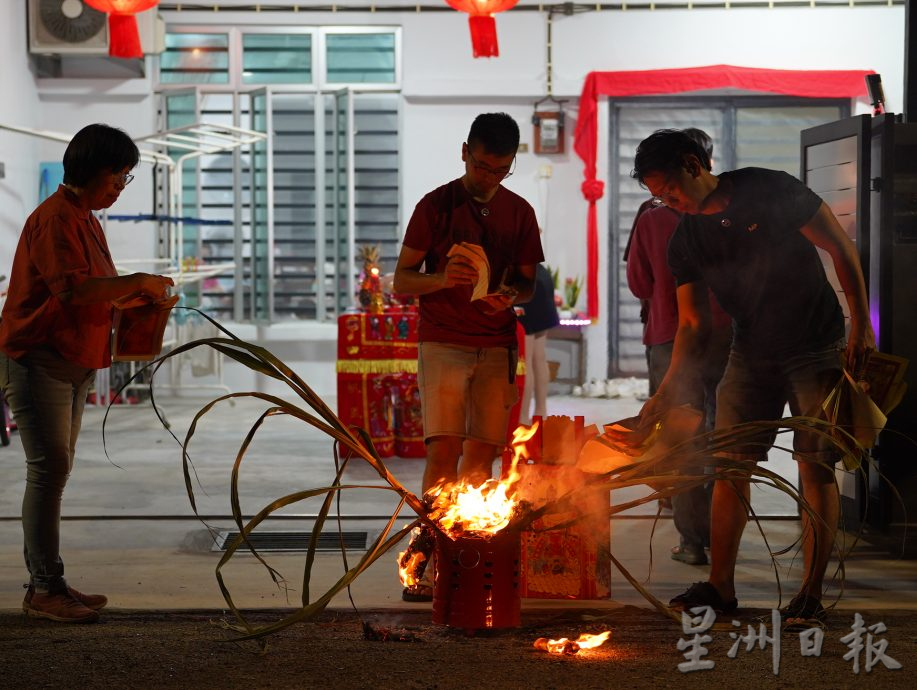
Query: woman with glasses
{"points": [[54, 333]]}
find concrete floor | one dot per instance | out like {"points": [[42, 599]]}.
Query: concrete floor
{"points": [[129, 530]]}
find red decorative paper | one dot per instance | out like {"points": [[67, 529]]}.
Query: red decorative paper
{"points": [[569, 563], [408, 418], [377, 380]]}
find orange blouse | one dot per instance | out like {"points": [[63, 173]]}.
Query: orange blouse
{"points": [[60, 247]]}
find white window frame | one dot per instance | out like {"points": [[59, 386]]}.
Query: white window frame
{"points": [[319, 53], [360, 85]]}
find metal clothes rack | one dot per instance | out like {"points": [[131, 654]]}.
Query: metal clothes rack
{"points": [[194, 140]]}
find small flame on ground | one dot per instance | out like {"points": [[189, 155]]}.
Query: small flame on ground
{"points": [[570, 647], [459, 508]]}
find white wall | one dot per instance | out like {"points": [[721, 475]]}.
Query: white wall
{"points": [[444, 87], [68, 105], [19, 107]]}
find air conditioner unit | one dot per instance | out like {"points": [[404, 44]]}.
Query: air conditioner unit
{"points": [[71, 27]]}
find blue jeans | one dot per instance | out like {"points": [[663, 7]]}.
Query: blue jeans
{"points": [[46, 395]]}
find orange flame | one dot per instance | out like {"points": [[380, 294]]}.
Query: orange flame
{"points": [[459, 508], [570, 647], [408, 565]]}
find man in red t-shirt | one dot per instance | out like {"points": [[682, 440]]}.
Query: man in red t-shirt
{"points": [[468, 353], [651, 280]]}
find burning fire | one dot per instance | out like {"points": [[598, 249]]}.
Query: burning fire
{"points": [[412, 562], [408, 565], [459, 508], [570, 647]]}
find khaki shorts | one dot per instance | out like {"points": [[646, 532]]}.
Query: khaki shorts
{"points": [[756, 388], [466, 391]]}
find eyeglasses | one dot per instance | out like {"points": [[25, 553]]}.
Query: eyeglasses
{"points": [[669, 185], [124, 179], [500, 174]]}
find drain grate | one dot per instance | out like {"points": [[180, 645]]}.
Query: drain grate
{"points": [[295, 541]]}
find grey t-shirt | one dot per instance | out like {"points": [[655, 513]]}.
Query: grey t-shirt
{"points": [[762, 270]]}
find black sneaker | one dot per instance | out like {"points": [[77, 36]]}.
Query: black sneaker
{"points": [[703, 594]]}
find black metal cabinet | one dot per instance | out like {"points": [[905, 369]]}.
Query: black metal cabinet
{"points": [[866, 170], [892, 285]]}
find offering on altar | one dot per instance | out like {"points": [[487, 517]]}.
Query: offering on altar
{"points": [[370, 295]]}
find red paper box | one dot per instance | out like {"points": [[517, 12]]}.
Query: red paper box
{"points": [[572, 562]]}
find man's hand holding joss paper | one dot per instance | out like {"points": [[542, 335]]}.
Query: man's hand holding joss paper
{"points": [[459, 271], [860, 343], [504, 298], [654, 408]]}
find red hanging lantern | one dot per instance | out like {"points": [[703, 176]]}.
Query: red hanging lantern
{"points": [[123, 38], [481, 20]]}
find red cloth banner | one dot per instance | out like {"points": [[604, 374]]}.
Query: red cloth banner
{"points": [[803, 83]]}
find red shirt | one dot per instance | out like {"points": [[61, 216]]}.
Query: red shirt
{"points": [[506, 229], [649, 276], [60, 247]]}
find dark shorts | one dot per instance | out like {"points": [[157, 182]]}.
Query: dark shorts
{"points": [[756, 389]]}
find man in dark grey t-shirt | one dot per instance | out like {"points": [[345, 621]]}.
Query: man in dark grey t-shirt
{"points": [[751, 236]]}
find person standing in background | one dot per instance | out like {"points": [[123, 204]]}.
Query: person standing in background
{"points": [[650, 278], [537, 318]]}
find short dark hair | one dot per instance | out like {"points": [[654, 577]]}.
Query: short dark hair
{"points": [[705, 142], [498, 133], [664, 151], [95, 149]]}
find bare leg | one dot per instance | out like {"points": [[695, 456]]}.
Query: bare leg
{"points": [[730, 513], [529, 385], [442, 460], [539, 371], [477, 461], [820, 490]]}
